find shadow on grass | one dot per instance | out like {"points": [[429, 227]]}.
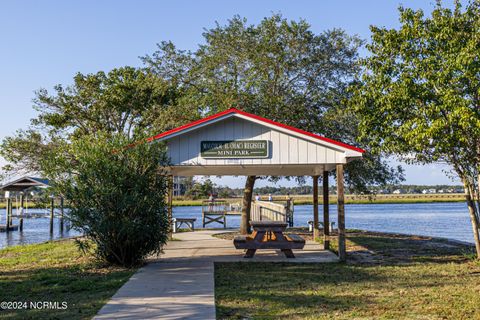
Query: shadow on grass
{"points": [[269, 290], [382, 277], [296, 305], [346, 291], [393, 249], [84, 288]]}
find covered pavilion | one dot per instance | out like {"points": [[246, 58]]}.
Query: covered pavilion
{"points": [[21, 186], [24, 183], [234, 142]]}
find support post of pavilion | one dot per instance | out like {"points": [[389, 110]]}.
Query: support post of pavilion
{"points": [[326, 212], [316, 231], [342, 254], [169, 205]]}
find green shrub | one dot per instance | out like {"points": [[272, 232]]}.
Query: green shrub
{"points": [[116, 196]]}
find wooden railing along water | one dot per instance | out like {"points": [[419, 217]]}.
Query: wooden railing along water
{"points": [[274, 211], [217, 211], [214, 211]]}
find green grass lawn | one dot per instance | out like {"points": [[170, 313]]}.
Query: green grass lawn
{"points": [[387, 277], [57, 272]]}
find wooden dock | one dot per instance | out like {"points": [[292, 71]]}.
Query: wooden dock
{"points": [[273, 211], [217, 211], [3, 228]]}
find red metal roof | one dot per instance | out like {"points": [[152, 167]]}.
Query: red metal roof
{"points": [[252, 116]]}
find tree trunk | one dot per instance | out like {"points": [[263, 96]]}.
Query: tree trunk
{"points": [[247, 204], [472, 210], [477, 196]]}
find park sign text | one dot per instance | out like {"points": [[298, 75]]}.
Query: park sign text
{"points": [[234, 149]]}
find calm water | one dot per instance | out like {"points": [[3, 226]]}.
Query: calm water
{"points": [[448, 220], [34, 230]]}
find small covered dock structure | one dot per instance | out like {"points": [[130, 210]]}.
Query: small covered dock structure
{"points": [[234, 142], [24, 183], [20, 187]]}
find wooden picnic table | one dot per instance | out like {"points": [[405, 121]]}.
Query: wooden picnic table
{"points": [[269, 235]]}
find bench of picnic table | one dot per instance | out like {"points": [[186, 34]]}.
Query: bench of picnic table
{"points": [[269, 235], [291, 241], [294, 241]]}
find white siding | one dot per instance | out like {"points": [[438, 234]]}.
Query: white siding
{"points": [[274, 141], [302, 151], [311, 153], [284, 149]]}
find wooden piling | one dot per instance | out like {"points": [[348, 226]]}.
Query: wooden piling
{"points": [[7, 210], [61, 214], [8, 218], [22, 203], [11, 212], [52, 211]]}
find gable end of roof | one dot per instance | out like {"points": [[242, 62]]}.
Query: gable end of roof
{"points": [[233, 111]]}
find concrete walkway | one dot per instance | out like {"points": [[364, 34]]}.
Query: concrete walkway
{"points": [[180, 283]]}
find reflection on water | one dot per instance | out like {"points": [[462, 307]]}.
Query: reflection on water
{"points": [[448, 220]]}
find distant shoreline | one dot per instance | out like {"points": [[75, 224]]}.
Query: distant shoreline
{"points": [[350, 199], [307, 199]]}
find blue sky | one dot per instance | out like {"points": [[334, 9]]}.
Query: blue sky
{"points": [[44, 43]]}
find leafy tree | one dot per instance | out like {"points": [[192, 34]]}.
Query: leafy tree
{"points": [[188, 183], [277, 69], [125, 101], [194, 192], [420, 93], [116, 195], [116, 199], [207, 187], [225, 192], [200, 190]]}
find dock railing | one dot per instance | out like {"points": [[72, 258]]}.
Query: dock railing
{"points": [[274, 211], [214, 211]]}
